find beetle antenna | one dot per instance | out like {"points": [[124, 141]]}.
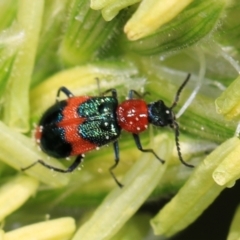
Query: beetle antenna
{"points": [[176, 130], [179, 91]]}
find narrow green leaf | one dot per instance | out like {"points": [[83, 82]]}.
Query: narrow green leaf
{"points": [[5, 71], [18, 189], [228, 104], [57, 229], [229, 33], [16, 108], [151, 15], [195, 196], [229, 169], [8, 10], [197, 21], [122, 203], [86, 33], [53, 20]]}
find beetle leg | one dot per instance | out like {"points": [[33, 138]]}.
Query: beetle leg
{"points": [[139, 146], [113, 91], [71, 168], [67, 92], [133, 92], [116, 152]]}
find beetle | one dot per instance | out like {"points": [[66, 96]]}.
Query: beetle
{"points": [[79, 124]]}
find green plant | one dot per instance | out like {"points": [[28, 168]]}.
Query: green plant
{"points": [[149, 46]]}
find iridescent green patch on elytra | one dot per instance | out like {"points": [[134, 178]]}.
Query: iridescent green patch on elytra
{"points": [[100, 126]]}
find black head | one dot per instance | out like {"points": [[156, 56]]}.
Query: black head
{"points": [[161, 115]]}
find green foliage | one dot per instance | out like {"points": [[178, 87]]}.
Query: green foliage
{"points": [[46, 45]]}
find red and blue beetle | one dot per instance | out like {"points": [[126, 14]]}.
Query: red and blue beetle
{"points": [[77, 125]]}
